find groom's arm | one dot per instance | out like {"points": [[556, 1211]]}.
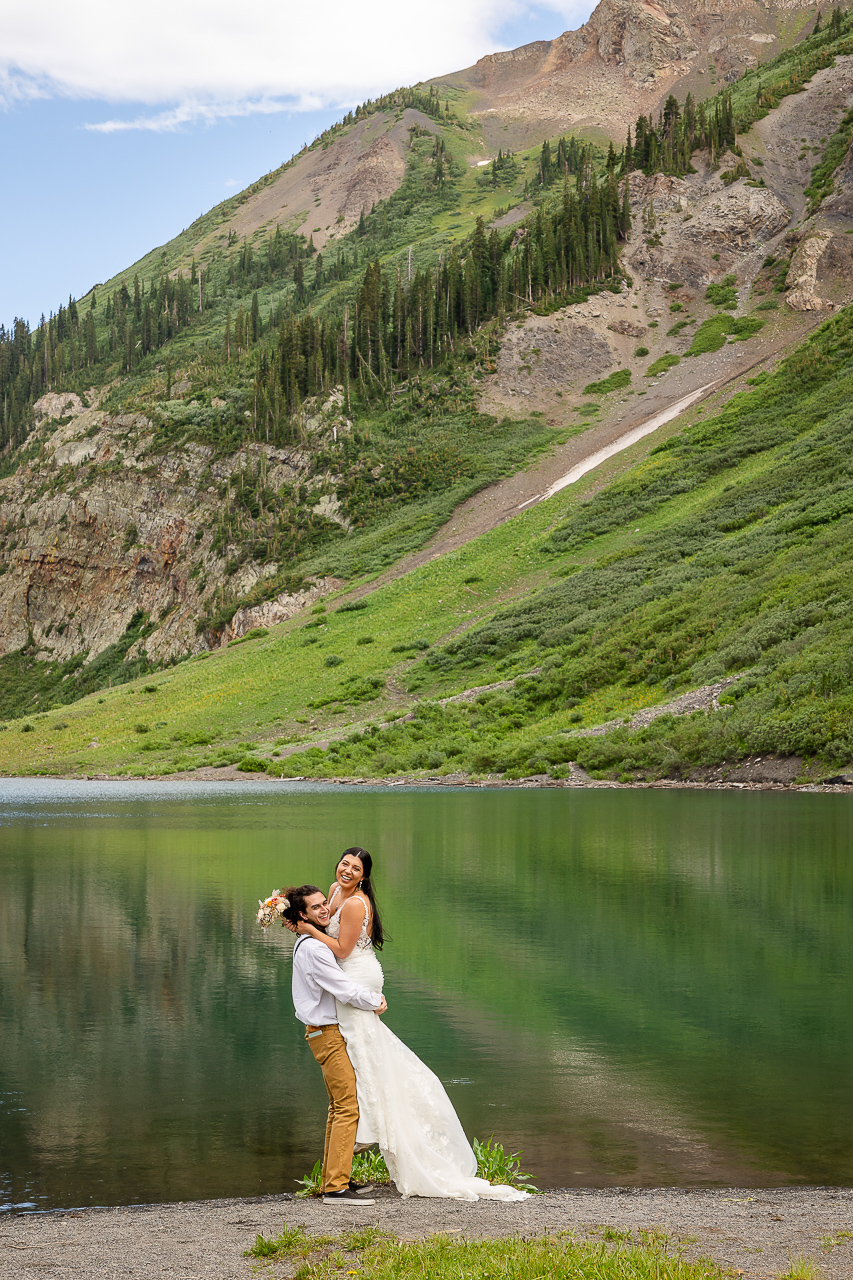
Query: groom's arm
{"points": [[328, 974]]}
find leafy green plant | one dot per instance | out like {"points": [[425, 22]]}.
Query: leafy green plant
{"points": [[369, 1166], [312, 1182], [497, 1167]]}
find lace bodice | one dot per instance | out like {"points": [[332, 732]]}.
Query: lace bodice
{"points": [[333, 928]]}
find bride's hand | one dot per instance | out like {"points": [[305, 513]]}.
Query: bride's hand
{"points": [[304, 927], [383, 1008]]}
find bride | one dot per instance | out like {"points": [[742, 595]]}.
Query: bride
{"points": [[402, 1105]]}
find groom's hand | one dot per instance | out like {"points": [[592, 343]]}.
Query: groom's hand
{"points": [[382, 1008]]}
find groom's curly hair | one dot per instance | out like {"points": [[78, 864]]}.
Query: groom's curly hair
{"points": [[296, 896]]}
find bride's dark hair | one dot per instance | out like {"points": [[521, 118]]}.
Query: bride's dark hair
{"points": [[378, 937], [296, 897]]}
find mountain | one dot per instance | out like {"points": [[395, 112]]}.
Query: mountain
{"points": [[623, 63], [460, 424]]}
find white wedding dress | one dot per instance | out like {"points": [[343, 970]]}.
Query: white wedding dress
{"points": [[402, 1105]]}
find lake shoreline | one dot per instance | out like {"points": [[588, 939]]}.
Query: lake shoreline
{"points": [[756, 1232], [578, 780]]}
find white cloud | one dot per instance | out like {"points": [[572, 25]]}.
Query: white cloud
{"points": [[192, 113], [204, 60]]}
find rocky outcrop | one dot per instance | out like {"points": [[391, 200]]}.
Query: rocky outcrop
{"points": [[697, 229], [627, 329], [553, 354], [103, 524], [802, 273], [281, 609], [737, 217], [662, 190]]}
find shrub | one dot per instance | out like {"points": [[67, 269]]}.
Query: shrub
{"points": [[252, 764], [640, 352], [616, 380], [724, 294], [666, 361], [332, 660]]}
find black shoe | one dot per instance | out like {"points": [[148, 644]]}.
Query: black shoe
{"points": [[345, 1196], [360, 1188]]}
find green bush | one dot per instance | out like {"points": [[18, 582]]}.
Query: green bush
{"points": [[252, 764], [664, 362], [615, 382], [724, 294]]}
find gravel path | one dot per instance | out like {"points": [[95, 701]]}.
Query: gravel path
{"points": [[751, 1232]]}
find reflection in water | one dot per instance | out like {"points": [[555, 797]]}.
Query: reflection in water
{"points": [[635, 987]]}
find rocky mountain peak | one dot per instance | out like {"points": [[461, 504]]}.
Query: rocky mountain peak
{"points": [[624, 60]]}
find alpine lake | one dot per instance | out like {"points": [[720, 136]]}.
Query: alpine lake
{"points": [[632, 987]]}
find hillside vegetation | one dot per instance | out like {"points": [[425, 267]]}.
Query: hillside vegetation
{"points": [[724, 553]]}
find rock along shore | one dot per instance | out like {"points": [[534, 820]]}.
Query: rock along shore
{"points": [[750, 1232]]}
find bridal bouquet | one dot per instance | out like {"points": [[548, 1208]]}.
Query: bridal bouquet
{"points": [[273, 908]]}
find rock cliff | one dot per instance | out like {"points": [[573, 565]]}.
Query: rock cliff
{"points": [[103, 523]]}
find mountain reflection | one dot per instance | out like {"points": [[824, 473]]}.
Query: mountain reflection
{"points": [[643, 987]]}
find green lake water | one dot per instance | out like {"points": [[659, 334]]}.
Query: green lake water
{"points": [[634, 987]]}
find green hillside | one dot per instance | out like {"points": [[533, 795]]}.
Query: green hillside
{"points": [[725, 552]]}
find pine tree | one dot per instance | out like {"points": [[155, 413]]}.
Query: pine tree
{"points": [[91, 339]]}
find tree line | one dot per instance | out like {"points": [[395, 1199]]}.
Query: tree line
{"points": [[393, 327]]}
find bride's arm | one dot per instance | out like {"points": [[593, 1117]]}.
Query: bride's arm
{"points": [[352, 914]]}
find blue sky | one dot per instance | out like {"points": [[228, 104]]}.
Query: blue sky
{"points": [[114, 137]]}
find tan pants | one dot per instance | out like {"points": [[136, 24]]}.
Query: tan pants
{"points": [[330, 1050]]}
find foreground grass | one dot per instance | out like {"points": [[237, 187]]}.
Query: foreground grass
{"points": [[371, 1251]]}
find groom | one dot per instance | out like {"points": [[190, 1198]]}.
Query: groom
{"points": [[317, 981]]}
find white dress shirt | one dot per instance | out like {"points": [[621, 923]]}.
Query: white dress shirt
{"points": [[318, 980]]}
